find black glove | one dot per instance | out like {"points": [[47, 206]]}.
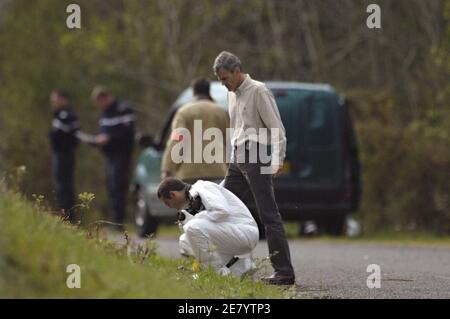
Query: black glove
{"points": [[195, 205], [183, 216]]}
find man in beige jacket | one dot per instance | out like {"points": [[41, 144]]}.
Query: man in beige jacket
{"points": [[212, 116]]}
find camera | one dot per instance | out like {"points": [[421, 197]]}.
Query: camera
{"points": [[194, 207], [183, 216]]}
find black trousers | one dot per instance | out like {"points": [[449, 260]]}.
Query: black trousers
{"points": [[246, 177], [117, 179], [63, 166]]}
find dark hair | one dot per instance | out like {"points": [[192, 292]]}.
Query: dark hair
{"points": [[170, 184], [201, 87], [61, 93], [99, 92]]}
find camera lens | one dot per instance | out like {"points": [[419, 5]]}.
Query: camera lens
{"points": [[181, 216]]}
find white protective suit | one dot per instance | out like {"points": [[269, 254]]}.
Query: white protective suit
{"points": [[223, 230]]}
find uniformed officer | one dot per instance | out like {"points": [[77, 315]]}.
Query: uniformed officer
{"points": [[63, 142], [116, 140]]}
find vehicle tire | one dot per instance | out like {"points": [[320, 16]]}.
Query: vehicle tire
{"points": [[308, 228], [145, 223], [334, 225]]}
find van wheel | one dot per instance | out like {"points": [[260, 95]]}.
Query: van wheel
{"points": [[333, 225], [308, 228], [145, 223]]}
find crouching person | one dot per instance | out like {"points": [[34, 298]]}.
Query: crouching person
{"points": [[219, 230]]}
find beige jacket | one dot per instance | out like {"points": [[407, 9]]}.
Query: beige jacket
{"points": [[212, 116], [253, 106]]}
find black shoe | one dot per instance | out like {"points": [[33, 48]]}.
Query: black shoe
{"points": [[279, 280]]}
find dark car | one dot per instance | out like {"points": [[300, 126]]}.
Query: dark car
{"points": [[321, 180]]}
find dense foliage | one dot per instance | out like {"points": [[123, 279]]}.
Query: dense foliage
{"points": [[147, 51]]}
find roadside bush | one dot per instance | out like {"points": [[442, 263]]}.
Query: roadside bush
{"points": [[405, 166]]}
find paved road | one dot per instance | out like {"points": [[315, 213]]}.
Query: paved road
{"points": [[327, 269]]}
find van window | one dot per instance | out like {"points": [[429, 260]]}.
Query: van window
{"points": [[320, 123], [289, 102], [311, 123]]}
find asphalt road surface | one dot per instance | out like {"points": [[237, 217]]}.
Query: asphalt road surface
{"points": [[327, 269]]}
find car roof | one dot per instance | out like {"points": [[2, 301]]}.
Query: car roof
{"points": [[220, 93], [279, 85]]}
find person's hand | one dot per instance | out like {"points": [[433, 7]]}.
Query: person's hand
{"points": [[279, 171], [102, 139]]}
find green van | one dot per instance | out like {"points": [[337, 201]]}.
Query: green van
{"points": [[321, 181]]}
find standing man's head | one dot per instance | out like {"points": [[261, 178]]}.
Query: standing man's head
{"points": [[59, 99], [172, 192], [228, 69], [200, 88], [102, 97]]}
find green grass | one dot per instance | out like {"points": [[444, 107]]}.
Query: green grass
{"points": [[394, 238], [36, 247], [386, 238]]}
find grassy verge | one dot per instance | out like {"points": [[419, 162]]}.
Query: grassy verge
{"points": [[386, 238], [36, 248], [395, 238], [392, 238]]}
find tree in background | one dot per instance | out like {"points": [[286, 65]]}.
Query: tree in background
{"points": [[148, 51]]}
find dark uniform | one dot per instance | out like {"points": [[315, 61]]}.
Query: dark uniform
{"points": [[63, 141], [118, 122]]}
